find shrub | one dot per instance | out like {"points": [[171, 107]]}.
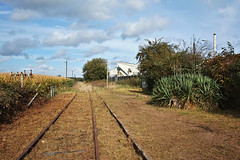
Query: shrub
{"points": [[132, 81], [187, 90], [226, 70]]}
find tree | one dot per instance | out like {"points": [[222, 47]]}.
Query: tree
{"points": [[95, 69], [191, 55], [156, 61], [227, 51]]}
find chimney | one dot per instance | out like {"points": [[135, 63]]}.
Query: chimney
{"points": [[214, 45]]}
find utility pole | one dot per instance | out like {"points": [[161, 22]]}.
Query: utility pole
{"points": [[72, 73], [214, 45], [66, 69]]}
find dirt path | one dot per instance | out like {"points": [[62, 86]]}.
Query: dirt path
{"points": [[165, 133]]}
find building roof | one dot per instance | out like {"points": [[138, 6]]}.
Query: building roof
{"points": [[124, 69]]}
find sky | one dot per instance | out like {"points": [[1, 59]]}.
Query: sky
{"points": [[42, 34]]}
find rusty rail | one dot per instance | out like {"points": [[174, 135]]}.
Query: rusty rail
{"points": [[36, 140], [94, 130], [136, 146]]}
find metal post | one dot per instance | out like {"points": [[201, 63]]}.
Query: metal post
{"points": [[107, 77], [21, 79], [107, 74]]}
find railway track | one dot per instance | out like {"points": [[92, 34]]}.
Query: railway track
{"points": [[72, 128], [36, 140]]}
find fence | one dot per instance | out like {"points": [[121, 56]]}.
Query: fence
{"points": [[22, 75], [115, 79]]}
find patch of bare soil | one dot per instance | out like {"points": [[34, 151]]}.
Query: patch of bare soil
{"points": [[167, 133], [71, 136], [15, 137], [113, 144]]}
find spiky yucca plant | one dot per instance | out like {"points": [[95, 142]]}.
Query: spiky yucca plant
{"points": [[187, 89]]}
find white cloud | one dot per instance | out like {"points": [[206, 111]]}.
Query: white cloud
{"points": [[229, 16], [145, 25], [228, 11], [74, 9], [44, 67], [40, 60], [4, 12], [81, 9], [59, 54], [23, 14], [4, 59], [136, 4], [96, 50], [208, 1], [74, 38], [17, 46]]}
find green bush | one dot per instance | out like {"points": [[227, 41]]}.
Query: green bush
{"points": [[187, 90], [226, 70], [132, 81]]}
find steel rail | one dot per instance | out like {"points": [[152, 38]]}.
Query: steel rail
{"points": [[136, 146], [96, 146], [36, 140]]}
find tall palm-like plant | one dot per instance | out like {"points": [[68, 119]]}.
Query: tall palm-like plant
{"points": [[187, 89]]}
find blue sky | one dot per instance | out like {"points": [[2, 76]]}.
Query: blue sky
{"points": [[42, 34]]}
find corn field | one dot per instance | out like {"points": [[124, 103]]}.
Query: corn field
{"points": [[14, 97]]}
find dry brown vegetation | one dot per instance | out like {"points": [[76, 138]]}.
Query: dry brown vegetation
{"points": [[17, 136], [113, 144], [71, 136], [167, 133], [163, 133]]}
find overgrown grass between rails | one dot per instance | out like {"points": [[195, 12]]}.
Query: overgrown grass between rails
{"points": [[187, 91], [14, 98]]}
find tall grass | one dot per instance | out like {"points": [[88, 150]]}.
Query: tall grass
{"points": [[187, 90]]}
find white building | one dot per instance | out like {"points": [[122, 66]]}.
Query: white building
{"points": [[123, 70]]}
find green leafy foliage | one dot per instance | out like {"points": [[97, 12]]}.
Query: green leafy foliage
{"points": [[159, 59], [187, 90], [131, 81], [225, 68], [155, 60], [96, 69]]}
